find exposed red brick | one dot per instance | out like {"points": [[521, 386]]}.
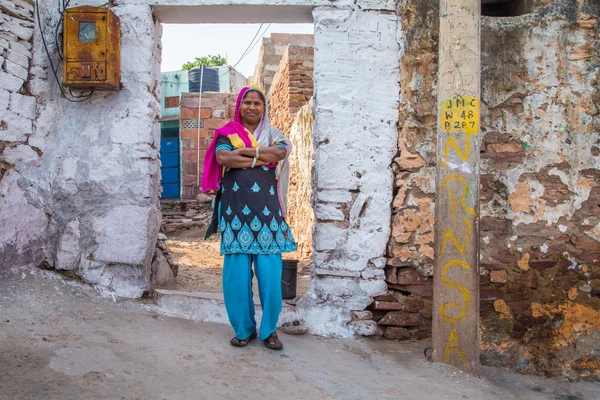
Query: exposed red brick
{"points": [[389, 296], [485, 191], [542, 265], [391, 274], [395, 332], [421, 290], [493, 224], [192, 113], [584, 242], [490, 294], [190, 168], [410, 276], [189, 192], [420, 333], [210, 101], [519, 307], [189, 155], [498, 276], [188, 180], [531, 281], [484, 280], [410, 305], [510, 147], [214, 123], [193, 133], [401, 318], [187, 143]]}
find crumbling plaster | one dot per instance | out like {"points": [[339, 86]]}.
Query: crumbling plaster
{"points": [[355, 134], [94, 178], [540, 171]]}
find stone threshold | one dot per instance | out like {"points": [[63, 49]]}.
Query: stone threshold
{"points": [[210, 307]]}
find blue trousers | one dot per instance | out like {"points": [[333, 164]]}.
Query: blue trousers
{"points": [[237, 290]]}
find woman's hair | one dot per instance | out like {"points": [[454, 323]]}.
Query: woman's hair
{"points": [[262, 96]]}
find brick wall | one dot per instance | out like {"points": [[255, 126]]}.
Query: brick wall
{"points": [[271, 52], [291, 91], [292, 86], [539, 194], [216, 111]]}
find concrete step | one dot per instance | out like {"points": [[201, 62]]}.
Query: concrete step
{"points": [[210, 307]]}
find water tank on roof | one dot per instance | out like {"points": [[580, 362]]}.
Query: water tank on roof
{"points": [[210, 81]]}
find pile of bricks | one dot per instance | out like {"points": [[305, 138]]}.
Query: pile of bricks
{"points": [[216, 110], [404, 312], [183, 215]]}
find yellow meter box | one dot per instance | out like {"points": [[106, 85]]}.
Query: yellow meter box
{"points": [[92, 47]]}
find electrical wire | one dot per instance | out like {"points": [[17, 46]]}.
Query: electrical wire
{"points": [[78, 98], [56, 36], [252, 44], [255, 43]]}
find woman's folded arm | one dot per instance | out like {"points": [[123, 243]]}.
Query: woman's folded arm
{"points": [[269, 155], [234, 159]]}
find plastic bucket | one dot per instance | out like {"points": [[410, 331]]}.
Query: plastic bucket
{"points": [[289, 278]]}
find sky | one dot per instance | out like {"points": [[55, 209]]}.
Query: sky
{"points": [[184, 42]]}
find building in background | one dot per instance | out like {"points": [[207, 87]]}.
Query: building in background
{"points": [[271, 52], [174, 83]]}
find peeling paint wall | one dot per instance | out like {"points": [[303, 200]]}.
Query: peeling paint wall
{"points": [[540, 250], [540, 170]]}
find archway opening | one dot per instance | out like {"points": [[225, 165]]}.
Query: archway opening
{"points": [[281, 63]]}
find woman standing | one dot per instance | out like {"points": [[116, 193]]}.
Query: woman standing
{"points": [[245, 163]]}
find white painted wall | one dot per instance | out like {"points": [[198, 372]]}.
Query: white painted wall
{"points": [[99, 176], [355, 108]]}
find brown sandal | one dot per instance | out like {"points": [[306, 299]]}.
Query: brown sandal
{"points": [[243, 343], [273, 342]]}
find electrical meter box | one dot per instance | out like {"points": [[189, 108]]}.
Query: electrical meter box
{"points": [[91, 49]]}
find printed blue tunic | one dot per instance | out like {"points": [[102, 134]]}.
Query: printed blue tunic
{"points": [[250, 217]]}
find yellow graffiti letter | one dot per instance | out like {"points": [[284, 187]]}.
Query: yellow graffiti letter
{"points": [[451, 142], [461, 200], [453, 285], [451, 346], [450, 235]]}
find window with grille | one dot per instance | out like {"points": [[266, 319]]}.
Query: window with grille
{"points": [[192, 124]]}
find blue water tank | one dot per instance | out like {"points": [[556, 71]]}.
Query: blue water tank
{"points": [[210, 81]]}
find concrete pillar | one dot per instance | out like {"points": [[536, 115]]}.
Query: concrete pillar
{"points": [[456, 275]]}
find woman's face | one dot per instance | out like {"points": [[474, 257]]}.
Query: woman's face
{"points": [[252, 108]]}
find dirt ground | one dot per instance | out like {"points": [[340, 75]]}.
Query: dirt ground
{"points": [[61, 340], [200, 264]]}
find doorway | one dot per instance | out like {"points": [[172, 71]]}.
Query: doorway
{"points": [[276, 57], [355, 140]]}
